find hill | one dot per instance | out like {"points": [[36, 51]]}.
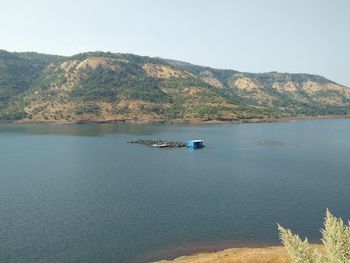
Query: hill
{"points": [[103, 86]]}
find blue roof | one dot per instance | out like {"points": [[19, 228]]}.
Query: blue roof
{"points": [[195, 140]]}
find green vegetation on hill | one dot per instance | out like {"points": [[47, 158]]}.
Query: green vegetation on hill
{"points": [[104, 86]]}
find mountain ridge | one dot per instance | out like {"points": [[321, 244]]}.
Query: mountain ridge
{"points": [[112, 87]]}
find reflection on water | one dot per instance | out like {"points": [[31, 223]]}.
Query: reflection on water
{"points": [[78, 130]]}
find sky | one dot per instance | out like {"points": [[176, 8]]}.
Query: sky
{"points": [[300, 36]]}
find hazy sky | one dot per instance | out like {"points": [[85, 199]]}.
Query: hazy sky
{"points": [[247, 35]]}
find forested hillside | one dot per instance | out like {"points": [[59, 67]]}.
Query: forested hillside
{"points": [[100, 86]]}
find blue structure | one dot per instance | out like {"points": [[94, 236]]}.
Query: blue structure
{"points": [[195, 144]]}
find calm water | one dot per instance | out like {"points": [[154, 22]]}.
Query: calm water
{"points": [[82, 194]]}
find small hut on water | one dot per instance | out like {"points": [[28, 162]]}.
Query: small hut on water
{"points": [[195, 144]]}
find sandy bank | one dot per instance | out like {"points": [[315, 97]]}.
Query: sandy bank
{"points": [[273, 254]]}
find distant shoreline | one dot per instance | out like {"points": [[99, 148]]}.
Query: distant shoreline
{"points": [[177, 121]]}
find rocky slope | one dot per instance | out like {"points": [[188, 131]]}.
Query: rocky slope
{"points": [[99, 86]]}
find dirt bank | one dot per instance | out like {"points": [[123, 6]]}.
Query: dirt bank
{"points": [[273, 254]]}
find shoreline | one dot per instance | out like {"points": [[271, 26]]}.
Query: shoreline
{"points": [[246, 254], [177, 121], [190, 249]]}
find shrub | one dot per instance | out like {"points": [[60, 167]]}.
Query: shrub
{"points": [[335, 238], [298, 250]]}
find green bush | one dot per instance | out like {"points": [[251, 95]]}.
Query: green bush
{"points": [[335, 238], [89, 108]]}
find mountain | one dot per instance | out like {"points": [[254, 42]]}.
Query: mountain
{"points": [[103, 86]]}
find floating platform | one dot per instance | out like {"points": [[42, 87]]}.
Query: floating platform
{"points": [[159, 143], [193, 144]]}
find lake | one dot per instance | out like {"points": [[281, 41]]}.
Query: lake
{"points": [[81, 193]]}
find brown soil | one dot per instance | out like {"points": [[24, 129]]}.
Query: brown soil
{"points": [[273, 254]]}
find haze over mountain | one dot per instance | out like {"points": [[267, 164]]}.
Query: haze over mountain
{"points": [[103, 86]]}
